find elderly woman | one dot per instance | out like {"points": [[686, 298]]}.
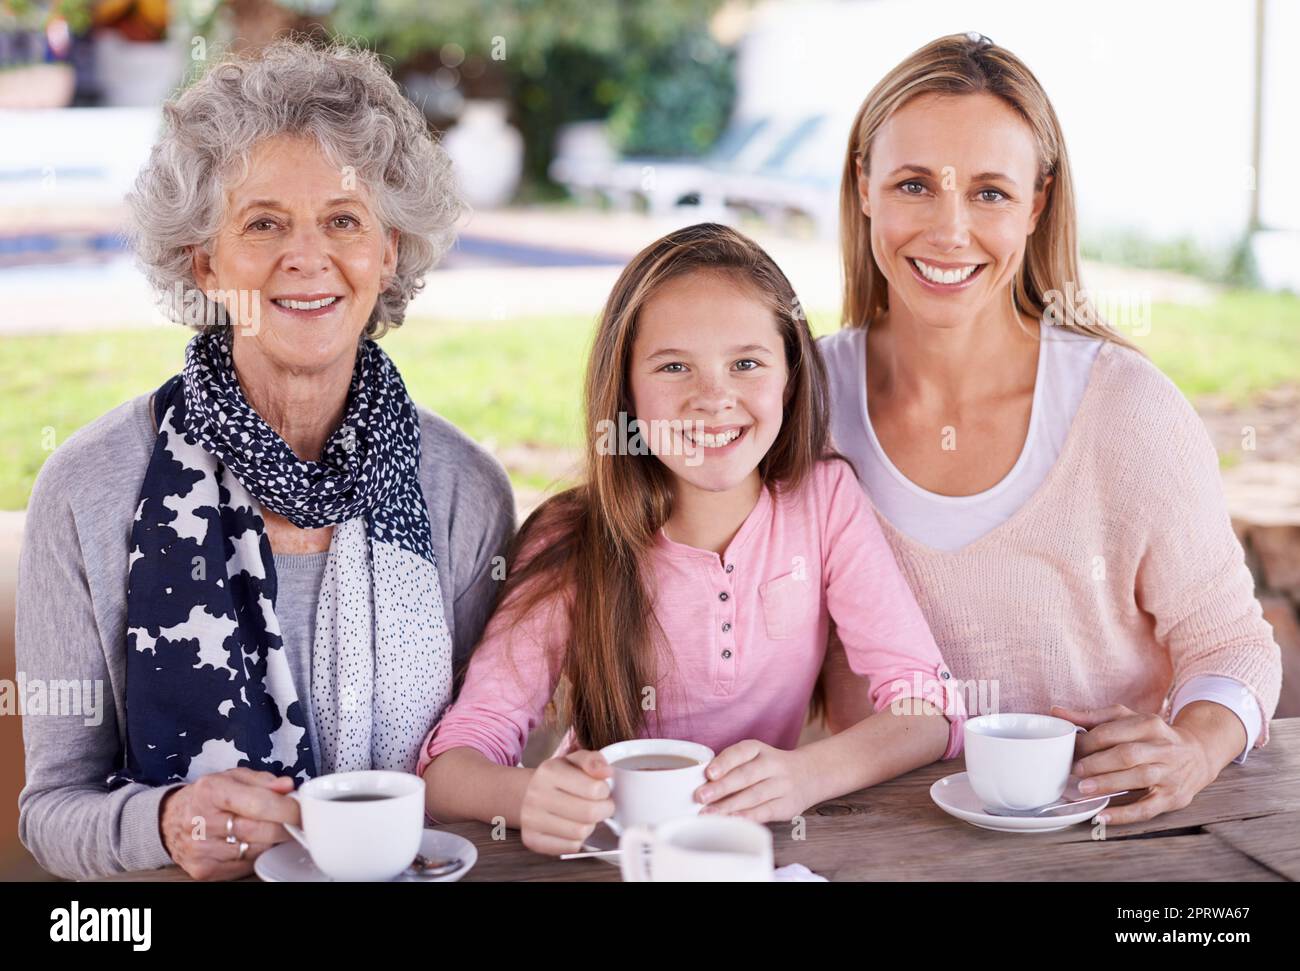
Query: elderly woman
{"points": [[276, 559]]}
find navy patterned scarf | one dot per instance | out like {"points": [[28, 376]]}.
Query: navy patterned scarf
{"points": [[208, 686]]}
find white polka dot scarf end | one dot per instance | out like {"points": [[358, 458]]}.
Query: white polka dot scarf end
{"points": [[208, 685]]}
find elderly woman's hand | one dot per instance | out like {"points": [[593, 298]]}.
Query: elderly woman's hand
{"points": [[193, 821], [1127, 750]]}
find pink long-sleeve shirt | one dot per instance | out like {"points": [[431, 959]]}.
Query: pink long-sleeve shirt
{"points": [[747, 631]]}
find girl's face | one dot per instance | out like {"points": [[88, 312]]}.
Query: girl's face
{"points": [[708, 377], [952, 203]]}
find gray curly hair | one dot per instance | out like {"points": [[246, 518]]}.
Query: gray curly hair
{"points": [[338, 95]]}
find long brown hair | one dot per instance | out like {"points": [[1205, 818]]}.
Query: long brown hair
{"points": [[970, 64], [589, 544]]}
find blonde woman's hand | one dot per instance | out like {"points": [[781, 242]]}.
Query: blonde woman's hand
{"points": [[1128, 750]]}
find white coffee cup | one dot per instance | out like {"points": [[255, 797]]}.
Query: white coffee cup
{"points": [[646, 798], [370, 839], [1019, 761], [697, 849]]}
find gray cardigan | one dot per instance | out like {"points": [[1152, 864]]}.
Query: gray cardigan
{"points": [[71, 622]]}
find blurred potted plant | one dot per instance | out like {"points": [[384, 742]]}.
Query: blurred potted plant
{"points": [[36, 42], [555, 63], [487, 152], [138, 64], [255, 23], [143, 21]]}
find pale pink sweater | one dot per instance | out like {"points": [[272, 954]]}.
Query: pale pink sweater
{"points": [[1118, 581]]}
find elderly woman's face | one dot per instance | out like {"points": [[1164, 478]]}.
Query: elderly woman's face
{"points": [[301, 242]]}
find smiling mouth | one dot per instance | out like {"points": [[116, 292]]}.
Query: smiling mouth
{"points": [[940, 277], [305, 305], [718, 440]]}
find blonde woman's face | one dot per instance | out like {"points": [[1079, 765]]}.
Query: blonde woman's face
{"points": [[707, 377], [952, 202]]}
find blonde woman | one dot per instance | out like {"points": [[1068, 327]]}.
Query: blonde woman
{"points": [[1050, 495]]}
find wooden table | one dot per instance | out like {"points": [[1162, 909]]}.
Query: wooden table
{"points": [[1244, 826]]}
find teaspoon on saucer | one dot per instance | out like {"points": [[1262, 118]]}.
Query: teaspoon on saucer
{"points": [[589, 853], [1053, 809], [428, 869]]}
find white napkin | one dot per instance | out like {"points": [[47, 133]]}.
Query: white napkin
{"points": [[797, 873]]}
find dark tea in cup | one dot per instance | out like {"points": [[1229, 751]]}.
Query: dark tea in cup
{"points": [[655, 763]]}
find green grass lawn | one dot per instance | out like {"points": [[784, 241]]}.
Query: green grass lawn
{"points": [[517, 383], [1241, 343]]}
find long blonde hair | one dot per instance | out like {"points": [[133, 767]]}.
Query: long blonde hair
{"points": [[971, 64]]}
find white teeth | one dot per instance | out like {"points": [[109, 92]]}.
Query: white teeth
{"points": [[936, 275], [709, 440], [306, 304]]}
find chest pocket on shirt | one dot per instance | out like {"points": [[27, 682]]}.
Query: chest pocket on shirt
{"points": [[788, 603]]}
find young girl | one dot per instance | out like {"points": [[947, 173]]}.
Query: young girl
{"points": [[687, 588]]}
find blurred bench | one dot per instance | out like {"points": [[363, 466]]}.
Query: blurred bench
{"points": [[588, 167], [776, 167], [800, 179]]}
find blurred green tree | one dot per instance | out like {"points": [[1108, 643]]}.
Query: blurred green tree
{"points": [[650, 66]]}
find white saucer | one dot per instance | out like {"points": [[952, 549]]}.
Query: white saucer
{"points": [[288, 862], [954, 795]]}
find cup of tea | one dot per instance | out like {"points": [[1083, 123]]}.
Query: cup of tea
{"points": [[362, 825], [697, 849], [654, 780], [1019, 761]]}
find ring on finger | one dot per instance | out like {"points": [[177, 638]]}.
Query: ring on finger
{"points": [[230, 830], [243, 849]]}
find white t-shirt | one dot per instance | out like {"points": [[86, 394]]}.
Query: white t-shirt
{"points": [[950, 523]]}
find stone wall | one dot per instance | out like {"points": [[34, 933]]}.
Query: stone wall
{"points": [[1264, 500]]}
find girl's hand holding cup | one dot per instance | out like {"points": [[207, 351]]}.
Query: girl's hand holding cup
{"points": [[755, 781], [566, 799]]}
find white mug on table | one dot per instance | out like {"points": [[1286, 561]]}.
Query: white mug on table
{"points": [[652, 793], [1019, 761], [697, 849], [362, 825]]}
